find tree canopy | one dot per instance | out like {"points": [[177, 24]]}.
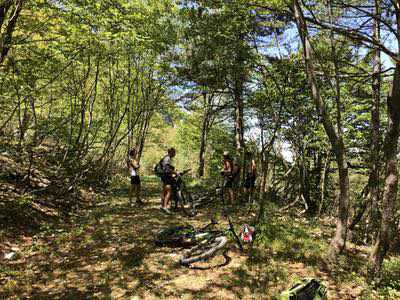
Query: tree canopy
{"points": [[310, 88]]}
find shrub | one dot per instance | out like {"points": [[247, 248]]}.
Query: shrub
{"points": [[391, 273]]}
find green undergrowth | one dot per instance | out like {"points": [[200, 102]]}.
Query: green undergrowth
{"points": [[292, 240], [298, 248], [109, 246]]}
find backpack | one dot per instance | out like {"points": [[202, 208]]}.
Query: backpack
{"points": [[158, 168], [305, 289]]}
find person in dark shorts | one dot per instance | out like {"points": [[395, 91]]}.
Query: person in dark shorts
{"points": [[135, 186], [229, 177], [251, 175], [168, 180]]}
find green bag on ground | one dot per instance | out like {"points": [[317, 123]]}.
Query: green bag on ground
{"points": [[305, 289]]}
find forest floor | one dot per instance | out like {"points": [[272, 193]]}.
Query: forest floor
{"points": [[107, 251]]}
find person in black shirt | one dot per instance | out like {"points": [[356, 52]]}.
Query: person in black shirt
{"points": [[250, 178], [228, 173], [168, 180]]}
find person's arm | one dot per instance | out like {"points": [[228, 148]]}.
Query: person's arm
{"points": [[129, 163], [135, 164]]}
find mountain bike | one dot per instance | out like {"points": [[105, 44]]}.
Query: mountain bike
{"points": [[204, 242], [208, 244], [182, 196], [182, 235]]}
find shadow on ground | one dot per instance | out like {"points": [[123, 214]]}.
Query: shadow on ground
{"points": [[107, 252]]}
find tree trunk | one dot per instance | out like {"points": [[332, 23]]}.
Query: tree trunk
{"points": [[239, 121], [4, 7], [143, 134], [375, 123], [305, 184], [238, 86], [387, 225], [6, 37], [202, 151], [264, 167], [264, 178], [338, 242], [204, 133], [322, 184], [129, 99]]}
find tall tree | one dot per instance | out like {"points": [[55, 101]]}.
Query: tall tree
{"points": [[338, 242], [374, 180], [9, 13], [390, 20]]}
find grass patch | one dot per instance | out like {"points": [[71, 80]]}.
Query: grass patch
{"points": [[291, 240]]}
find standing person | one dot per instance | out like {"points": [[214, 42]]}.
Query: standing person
{"points": [[168, 180], [251, 175], [135, 186], [229, 177]]}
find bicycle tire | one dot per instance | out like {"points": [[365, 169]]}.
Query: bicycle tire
{"points": [[189, 198], [203, 251], [223, 264], [186, 197]]}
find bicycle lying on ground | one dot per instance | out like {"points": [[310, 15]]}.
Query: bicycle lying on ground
{"points": [[205, 242], [208, 244]]}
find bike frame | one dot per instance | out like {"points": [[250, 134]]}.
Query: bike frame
{"points": [[177, 190]]}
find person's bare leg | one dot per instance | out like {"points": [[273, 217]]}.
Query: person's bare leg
{"points": [[130, 193], [168, 195], [233, 197], [225, 197], [163, 197], [138, 193], [137, 190], [245, 194], [251, 195]]}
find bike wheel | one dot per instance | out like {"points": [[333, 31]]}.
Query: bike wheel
{"points": [[203, 251], [177, 236], [184, 198]]}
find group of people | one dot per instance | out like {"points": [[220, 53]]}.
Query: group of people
{"points": [[231, 172]]}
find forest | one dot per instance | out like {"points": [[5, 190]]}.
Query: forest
{"points": [[281, 114]]}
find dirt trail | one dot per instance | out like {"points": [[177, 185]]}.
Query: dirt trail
{"points": [[107, 252]]}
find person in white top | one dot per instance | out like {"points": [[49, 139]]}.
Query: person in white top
{"points": [[135, 186]]}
